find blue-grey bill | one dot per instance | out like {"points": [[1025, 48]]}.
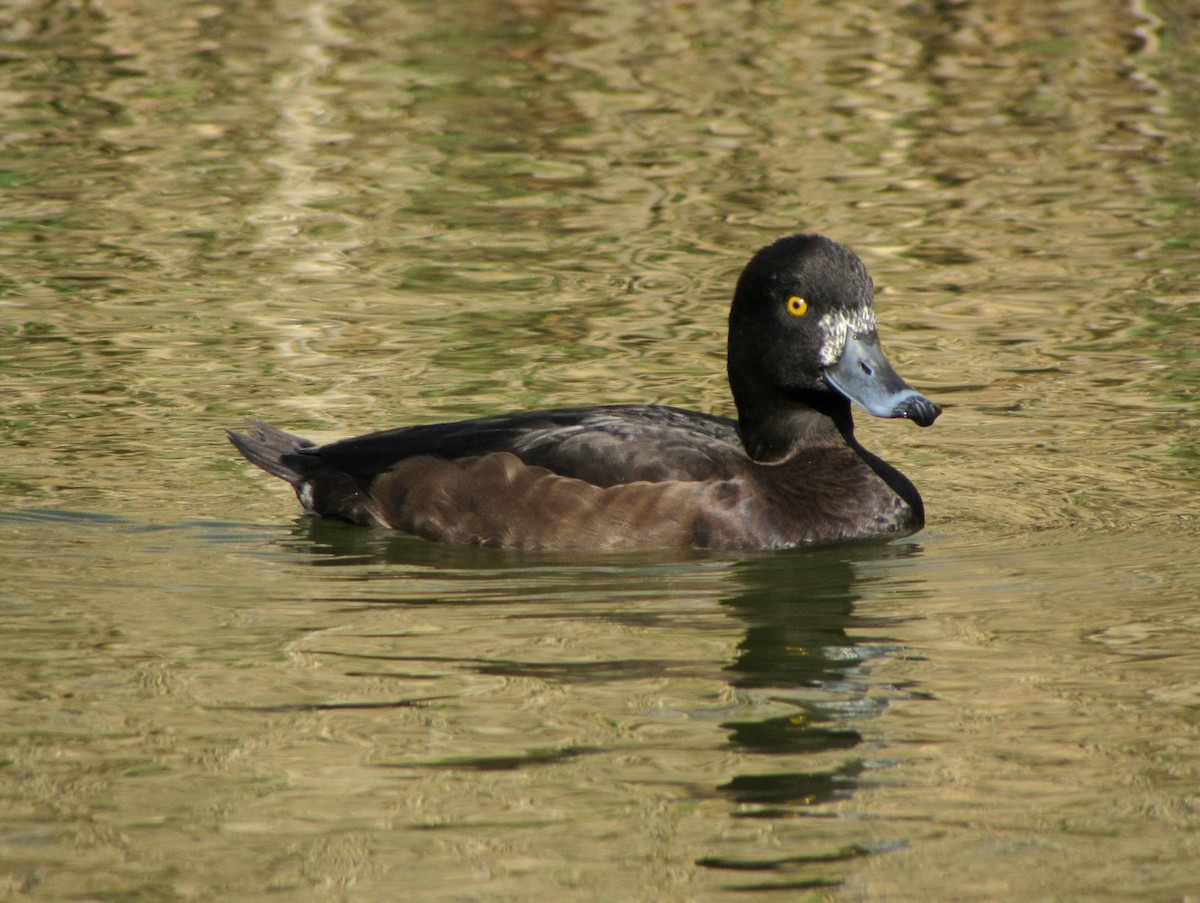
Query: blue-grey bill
{"points": [[864, 376]]}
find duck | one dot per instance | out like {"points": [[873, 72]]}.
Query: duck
{"points": [[786, 473]]}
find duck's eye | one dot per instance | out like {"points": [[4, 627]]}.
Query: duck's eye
{"points": [[797, 306]]}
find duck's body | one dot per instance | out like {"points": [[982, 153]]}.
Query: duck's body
{"points": [[788, 472], [615, 477]]}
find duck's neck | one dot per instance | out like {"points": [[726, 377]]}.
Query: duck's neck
{"points": [[774, 427]]}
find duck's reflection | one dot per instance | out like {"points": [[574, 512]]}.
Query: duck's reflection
{"points": [[800, 662], [797, 610], [800, 676]]}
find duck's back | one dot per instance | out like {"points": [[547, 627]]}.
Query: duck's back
{"points": [[605, 446]]}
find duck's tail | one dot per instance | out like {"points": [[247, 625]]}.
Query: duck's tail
{"points": [[276, 452], [320, 487]]}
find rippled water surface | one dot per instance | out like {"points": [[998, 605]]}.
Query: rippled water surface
{"points": [[341, 216]]}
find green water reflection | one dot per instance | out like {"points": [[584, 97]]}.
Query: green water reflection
{"points": [[341, 216]]}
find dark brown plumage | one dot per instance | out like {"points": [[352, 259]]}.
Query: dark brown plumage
{"points": [[788, 472]]}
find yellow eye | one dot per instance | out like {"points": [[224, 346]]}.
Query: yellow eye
{"points": [[797, 306]]}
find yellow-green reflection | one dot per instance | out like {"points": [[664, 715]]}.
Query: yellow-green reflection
{"points": [[345, 216]]}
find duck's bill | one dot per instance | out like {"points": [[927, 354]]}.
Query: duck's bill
{"points": [[864, 376]]}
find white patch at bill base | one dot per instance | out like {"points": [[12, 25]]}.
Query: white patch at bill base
{"points": [[837, 327]]}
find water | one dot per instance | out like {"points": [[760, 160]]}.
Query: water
{"points": [[345, 216]]}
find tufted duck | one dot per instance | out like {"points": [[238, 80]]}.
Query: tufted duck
{"points": [[787, 472]]}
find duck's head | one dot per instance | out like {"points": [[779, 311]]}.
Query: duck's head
{"points": [[802, 329]]}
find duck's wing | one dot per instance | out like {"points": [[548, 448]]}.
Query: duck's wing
{"points": [[604, 446], [621, 477]]}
